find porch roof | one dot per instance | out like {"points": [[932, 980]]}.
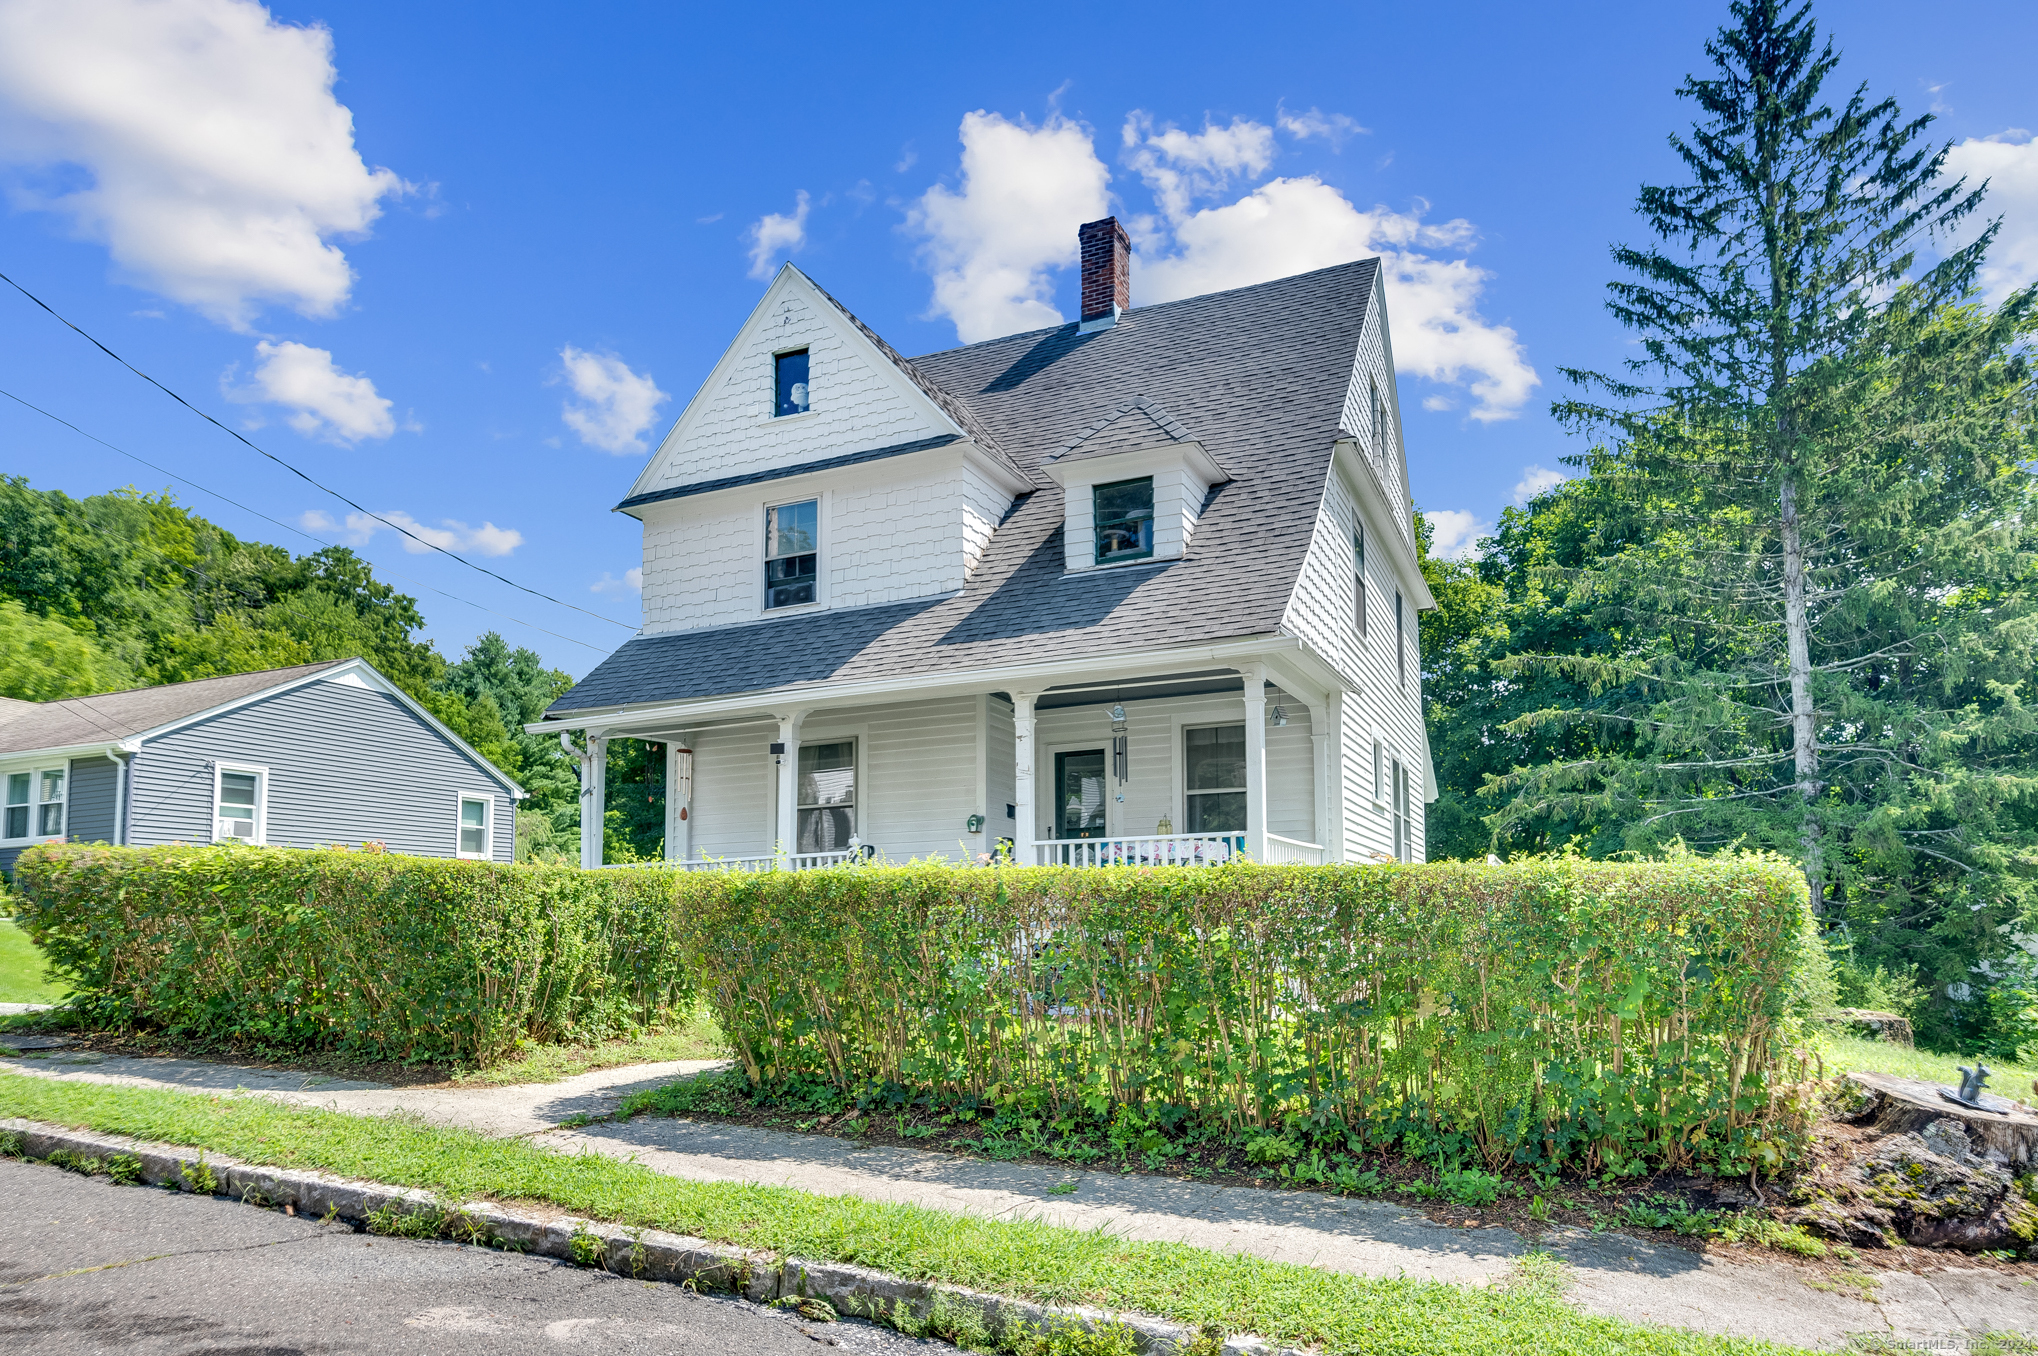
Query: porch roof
{"points": [[1260, 374]]}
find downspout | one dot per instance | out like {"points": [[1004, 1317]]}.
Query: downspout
{"points": [[120, 795]]}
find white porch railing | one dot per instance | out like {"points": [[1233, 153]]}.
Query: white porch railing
{"points": [[799, 861], [1172, 849], [1292, 852]]}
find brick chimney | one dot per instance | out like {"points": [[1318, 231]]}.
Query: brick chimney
{"points": [[1107, 272]]}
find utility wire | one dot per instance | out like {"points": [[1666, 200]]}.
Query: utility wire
{"points": [[185, 480], [294, 471]]}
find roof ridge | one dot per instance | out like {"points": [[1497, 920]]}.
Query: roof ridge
{"points": [[949, 403], [188, 682], [1142, 311], [1140, 404]]}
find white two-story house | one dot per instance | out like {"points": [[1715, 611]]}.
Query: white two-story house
{"points": [[1141, 588]]}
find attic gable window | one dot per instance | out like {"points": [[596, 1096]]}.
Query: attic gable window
{"points": [[1124, 520], [790, 383], [791, 553]]}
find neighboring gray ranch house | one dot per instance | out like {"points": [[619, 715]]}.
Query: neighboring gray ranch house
{"points": [[297, 757], [1137, 589]]}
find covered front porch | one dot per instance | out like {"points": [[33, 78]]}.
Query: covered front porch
{"points": [[1185, 766]]}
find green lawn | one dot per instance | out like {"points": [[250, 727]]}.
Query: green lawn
{"points": [[21, 968], [696, 1038], [1281, 1300], [1850, 1053]]}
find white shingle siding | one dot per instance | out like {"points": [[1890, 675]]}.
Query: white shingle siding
{"points": [[893, 530], [855, 404]]}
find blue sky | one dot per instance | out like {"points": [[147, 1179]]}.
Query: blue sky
{"points": [[465, 263]]}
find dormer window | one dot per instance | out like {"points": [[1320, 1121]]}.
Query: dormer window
{"points": [[791, 552], [1123, 512], [790, 382]]}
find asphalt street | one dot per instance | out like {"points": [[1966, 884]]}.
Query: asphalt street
{"points": [[90, 1267]]}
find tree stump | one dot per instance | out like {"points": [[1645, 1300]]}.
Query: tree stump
{"points": [[1883, 1026], [2006, 1133]]}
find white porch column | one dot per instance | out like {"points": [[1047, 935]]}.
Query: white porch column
{"points": [[1326, 725], [594, 777], [1023, 757], [1255, 760], [789, 783], [678, 798]]}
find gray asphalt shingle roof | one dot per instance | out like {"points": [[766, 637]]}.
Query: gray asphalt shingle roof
{"points": [[1257, 375], [113, 716]]}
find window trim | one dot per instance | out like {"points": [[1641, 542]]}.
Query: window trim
{"points": [[461, 800], [1401, 812], [1182, 731], [1379, 772], [260, 837], [1359, 576], [1097, 524], [34, 806], [776, 355], [819, 499]]}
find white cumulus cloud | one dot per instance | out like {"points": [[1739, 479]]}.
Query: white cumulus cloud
{"points": [[2009, 161], [992, 244], [449, 535], [217, 165], [324, 402], [1293, 225], [615, 406], [1454, 533], [631, 582], [1335, 128], [1534, 480], [774, 234], [1181, 167]]}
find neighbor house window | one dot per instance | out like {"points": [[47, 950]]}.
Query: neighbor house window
{"points": [[1124, 515], [789, 385], [35, 804], [475, 813], [1359, 575], [791, 558], [1214, 760], [1404, 822], [240, 805], [1400, 642], [827, 796]]}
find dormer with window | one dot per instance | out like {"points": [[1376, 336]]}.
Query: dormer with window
{"points": [[1135, 483]]}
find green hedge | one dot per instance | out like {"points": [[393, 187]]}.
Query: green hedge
{"points": [[1558, 1010], [374, 953]]}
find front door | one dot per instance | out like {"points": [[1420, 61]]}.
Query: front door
{"points": [[1079, 794]]}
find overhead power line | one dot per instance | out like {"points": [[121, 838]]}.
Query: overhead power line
{"points": [[300, 474], [186, 480]]}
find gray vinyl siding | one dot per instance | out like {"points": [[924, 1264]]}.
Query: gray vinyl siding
{"points": [[95, 782], [345, 764]]}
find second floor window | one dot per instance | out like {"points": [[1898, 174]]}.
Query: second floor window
{"points": [[1359, 574], [1124, 516], [790, 386], [791, 553], [1400, 642]]}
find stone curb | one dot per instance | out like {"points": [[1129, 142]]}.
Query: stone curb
{"points": [[645, 1254]]}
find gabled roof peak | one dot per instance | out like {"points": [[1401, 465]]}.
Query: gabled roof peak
{"points": [[1130, 426]]}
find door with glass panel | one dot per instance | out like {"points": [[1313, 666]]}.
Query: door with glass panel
{"points": [[1079, 794], [827, 801]]}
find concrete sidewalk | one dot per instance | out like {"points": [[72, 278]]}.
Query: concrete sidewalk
{"points": [[1613, 1274]]}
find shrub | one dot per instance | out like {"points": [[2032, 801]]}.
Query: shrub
{"points": [[1537, 1012], [373, 953]]}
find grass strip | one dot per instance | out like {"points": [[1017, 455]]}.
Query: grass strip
{"points": [[21, 970], [1022, 1258], [1851, 1053], [696, 1037]]}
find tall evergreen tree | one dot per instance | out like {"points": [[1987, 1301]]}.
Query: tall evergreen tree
{"points": [[1815, 535]]}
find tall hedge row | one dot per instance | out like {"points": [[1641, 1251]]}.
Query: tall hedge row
{"points": [[1547, 1011], [1550, 1010], [384, 955]]}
